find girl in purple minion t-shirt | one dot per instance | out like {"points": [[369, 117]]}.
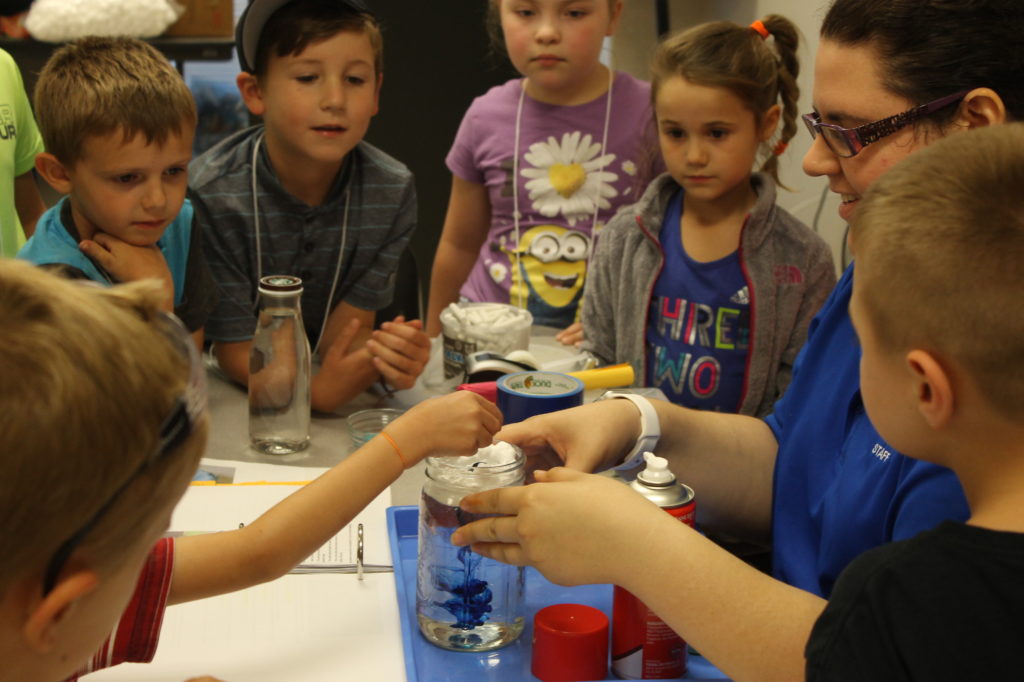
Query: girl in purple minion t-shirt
{"points": [[540, 163]]}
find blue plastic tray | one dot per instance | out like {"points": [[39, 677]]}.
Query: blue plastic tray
{"points": [[425, 662]]}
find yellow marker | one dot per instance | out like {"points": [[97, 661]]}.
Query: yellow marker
{"points": [[612, 376]]}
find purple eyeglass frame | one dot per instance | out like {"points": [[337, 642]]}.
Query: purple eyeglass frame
{"points": [[855, 139]]}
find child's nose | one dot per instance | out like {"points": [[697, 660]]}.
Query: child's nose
{"points": [[548, 31], [696, 154], [155, 195], [819, 159], [333, 96]]}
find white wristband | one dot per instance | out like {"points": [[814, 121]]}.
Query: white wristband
{"points": [[650, 428]]}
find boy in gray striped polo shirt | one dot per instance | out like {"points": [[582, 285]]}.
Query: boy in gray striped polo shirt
{"points": [[303, 194]]}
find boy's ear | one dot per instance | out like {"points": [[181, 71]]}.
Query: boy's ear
{"points": [[981, 107], [769, 122], [54, 172], [376, 95], [252, 95], [934, 390], [45, 616]]}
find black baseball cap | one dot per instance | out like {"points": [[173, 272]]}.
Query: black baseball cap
{"points": [[254, 18]]}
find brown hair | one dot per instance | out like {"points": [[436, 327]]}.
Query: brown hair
{"points": [[86, 380], [722, 54], [299, 24], [939, 243], [96, 86], [928, 49]]}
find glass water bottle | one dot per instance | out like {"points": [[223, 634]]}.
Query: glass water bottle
{"points": [[465, 601], [279, 370]]}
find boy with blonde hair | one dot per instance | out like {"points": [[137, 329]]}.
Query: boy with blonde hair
{"points": [[118, 121], [105, 436], [937, 306], [303, 194]]}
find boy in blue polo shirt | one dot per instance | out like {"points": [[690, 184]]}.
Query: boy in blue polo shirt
{"points": [[117, 121], [303, 194]]}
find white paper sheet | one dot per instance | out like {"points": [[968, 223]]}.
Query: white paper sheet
{"points": [[209, 508]]}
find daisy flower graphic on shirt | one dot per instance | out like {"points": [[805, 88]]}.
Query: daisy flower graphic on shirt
{"points": [[569, 177]]}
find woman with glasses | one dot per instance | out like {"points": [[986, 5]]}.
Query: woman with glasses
{"points": [[814, 478]]}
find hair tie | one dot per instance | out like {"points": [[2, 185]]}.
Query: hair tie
{"points": [[759, 27], [779, 147]]}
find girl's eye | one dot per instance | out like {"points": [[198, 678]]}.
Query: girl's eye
{"points": [[524, 13], [718, 134], [356, 80], [305, 79], [125, 179], [177, 170], [674, 133], [576, 13]]}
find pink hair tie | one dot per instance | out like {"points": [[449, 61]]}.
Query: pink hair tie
{"points": [[760, 28]]}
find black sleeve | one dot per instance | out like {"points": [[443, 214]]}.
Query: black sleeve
{"points": [[201, 293], [855, 638]]}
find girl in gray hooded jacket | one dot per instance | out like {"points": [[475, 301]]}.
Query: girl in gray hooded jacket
{"points": [[706, 286]]}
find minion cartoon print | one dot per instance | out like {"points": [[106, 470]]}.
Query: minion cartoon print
{"points": [[552, 264], [567, 181]]}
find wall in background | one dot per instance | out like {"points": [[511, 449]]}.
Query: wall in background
{"points": [[437, 58]]}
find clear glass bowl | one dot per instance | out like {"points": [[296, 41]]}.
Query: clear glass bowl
{"points": [[365, 424]]}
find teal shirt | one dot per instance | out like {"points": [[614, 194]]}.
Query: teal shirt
{"points": [[52, 244]]}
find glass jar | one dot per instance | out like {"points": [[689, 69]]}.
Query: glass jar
{"points": [[279, 370], [464, 601]]}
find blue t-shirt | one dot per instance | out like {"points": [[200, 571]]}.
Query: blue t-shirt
{"points": [[839, 488], [698, 325]]}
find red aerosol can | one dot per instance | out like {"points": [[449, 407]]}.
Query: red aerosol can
{"points": [[643, 646]]}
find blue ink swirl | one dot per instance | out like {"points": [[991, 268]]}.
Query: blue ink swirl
{"points": [[472, 597]]}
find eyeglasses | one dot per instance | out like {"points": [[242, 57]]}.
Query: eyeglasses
{"points": [[847, 142], [175, 429]]}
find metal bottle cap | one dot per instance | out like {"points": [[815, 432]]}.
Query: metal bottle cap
{"points": [[280, 284]]}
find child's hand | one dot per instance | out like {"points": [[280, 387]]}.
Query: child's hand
{"points": [[571, 335], [129, 263], [454, 424], [575, 528], [400, 351], [339, 348]]}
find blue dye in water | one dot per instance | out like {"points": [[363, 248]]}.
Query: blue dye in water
{"points": [[471, 600]]}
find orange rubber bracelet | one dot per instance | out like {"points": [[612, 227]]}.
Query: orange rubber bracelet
{"points": [[760, 28], [780, 147], [398, 450]]}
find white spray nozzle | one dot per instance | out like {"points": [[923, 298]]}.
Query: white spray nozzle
{"points": [[656, 471]]}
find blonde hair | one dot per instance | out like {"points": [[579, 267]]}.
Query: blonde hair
{"points": [[97, 86], [86, 381], [721, 54], [939, 243]]}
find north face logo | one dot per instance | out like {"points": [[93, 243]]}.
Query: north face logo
{"points": [[788, 274]]}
